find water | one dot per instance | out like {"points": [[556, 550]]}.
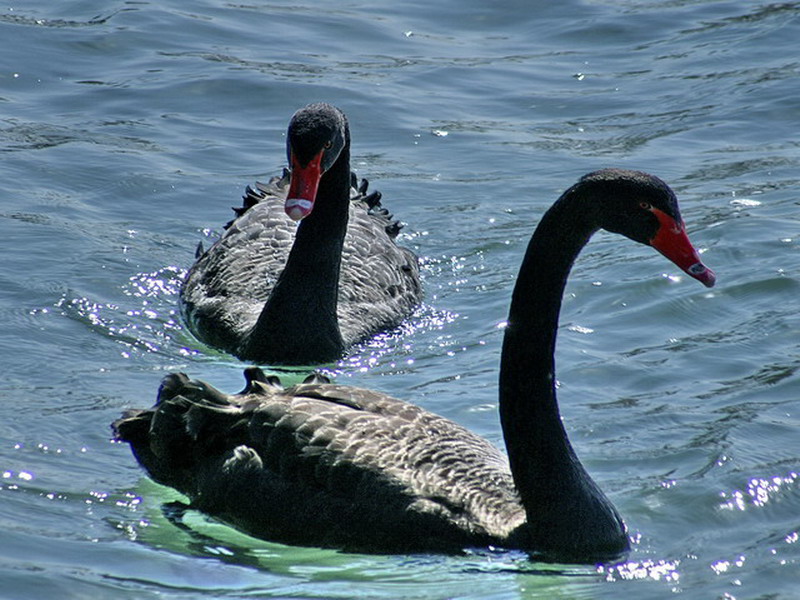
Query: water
{"points": [[127, 131]]}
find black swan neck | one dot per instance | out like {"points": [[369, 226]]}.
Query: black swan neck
{"points": [[567, 513], [308, 286]]}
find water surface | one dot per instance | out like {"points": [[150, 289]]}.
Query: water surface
{"points": [[127, 132]]}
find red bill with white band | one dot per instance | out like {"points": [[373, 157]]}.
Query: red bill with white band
{"points": [[671, 240], [303, 188]]}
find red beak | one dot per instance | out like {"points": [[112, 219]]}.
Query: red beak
{"points": [[303, 187], [671, 240]]}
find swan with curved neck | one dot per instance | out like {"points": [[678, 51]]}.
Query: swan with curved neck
{"points": [[330, 465], [270, 295]]}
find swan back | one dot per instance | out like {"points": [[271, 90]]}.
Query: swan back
{"points": [[330, 465]]}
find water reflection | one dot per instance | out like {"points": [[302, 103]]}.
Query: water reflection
{"points": [[148, 325], [758, 493], [397, 350], [654, 570]]}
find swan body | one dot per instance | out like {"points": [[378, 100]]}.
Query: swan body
{"points": [[272, 291], [318, 463], [330, 465]]}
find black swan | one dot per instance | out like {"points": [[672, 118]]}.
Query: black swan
{"points": [[271, 296], [337, 466]]}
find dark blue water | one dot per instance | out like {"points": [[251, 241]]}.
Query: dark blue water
{"points": [[127, 131]]}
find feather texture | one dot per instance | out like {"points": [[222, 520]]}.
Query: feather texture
{"points": [[227, 288], [327, 464]]}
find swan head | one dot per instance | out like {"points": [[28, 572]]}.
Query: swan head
{"points": [[315, 139], [643, 208]]}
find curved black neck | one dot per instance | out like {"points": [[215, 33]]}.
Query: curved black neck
{"points": [[308, 287], [567, 513]]}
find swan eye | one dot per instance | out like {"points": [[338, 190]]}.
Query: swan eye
{"points": [[328, 145], [645, 206]]}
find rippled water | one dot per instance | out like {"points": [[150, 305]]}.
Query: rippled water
{"points": [[127, 131]]}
